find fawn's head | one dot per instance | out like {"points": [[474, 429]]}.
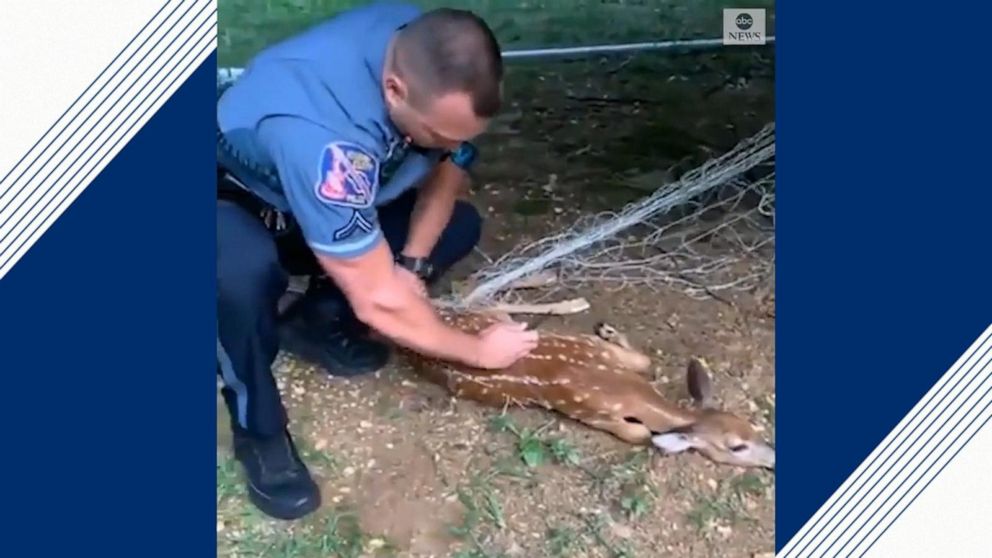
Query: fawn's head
{"points": [[720, 436]]}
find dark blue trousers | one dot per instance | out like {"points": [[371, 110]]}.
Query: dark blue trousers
{"points": [[253, 268]]}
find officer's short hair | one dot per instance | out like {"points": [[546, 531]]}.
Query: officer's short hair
{"points": [[447, 50]]}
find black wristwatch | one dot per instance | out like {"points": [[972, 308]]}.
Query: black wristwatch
{"points": [[421, 267]]}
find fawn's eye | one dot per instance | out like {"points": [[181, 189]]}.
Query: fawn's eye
{"points": [[738, 448]]}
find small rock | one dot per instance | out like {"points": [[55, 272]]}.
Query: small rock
{"points": [[365, 424], [345, 490], [711, 483], [220, 526], [724, 531], [348, 471], [621, 531], [320, 444], [376, 544]]}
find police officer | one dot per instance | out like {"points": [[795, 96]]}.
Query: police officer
{"points": [[341, 152]]}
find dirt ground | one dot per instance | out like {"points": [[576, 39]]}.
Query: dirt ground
{"points": [[408, 471]]}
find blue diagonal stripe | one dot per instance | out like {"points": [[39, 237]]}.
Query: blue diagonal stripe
{"points": [[908, 504]]}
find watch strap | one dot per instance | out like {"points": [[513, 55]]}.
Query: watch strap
{"points": [[421, 267]]}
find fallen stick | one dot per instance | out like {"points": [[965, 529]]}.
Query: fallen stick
{"points": [[562, 307]]}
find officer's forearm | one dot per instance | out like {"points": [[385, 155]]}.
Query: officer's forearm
{"points": [[381, 300], [433, 209], [410, 321]]}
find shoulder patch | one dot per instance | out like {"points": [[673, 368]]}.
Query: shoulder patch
{"points": [[348, 175]]}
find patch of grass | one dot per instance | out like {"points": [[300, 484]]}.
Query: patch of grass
{"points": [[247, 26], [727, 504], [562, 540], [483, 511], [244, 531], [595, 525], [471, 518], [628, 483], [767, 407], [387, 408], [532, 447], [747, 484], [228, 478], [564, 452], [335, 533], [637, 502], [321, 460]]}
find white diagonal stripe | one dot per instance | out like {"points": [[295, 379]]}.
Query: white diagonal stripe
{"points": [[948, 519], [905, 463], [140, 76]]}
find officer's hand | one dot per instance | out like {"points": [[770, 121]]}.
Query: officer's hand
{"points": [[411, 280], [502, 344]]}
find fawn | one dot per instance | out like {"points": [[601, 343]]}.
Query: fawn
{"points": [[598, 380]]}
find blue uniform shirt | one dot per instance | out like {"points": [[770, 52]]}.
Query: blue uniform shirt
{"points": [[310, 112]]}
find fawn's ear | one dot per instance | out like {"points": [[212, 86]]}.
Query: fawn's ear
{"points": [[698, 378]]}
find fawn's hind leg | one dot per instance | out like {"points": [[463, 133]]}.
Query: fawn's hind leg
{"points": [[618, 344]]}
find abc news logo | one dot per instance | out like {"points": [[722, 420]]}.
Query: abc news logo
{"points": [[744, 26]]}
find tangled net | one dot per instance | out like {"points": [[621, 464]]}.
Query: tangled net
{"points": [[712, 230]]}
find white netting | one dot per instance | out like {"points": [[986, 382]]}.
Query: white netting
{"points": [[711, 230]]}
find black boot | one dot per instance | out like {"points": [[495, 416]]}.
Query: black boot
{"points": [[321, 328], [279, 483]]}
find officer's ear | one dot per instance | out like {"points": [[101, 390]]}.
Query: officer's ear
{"points": [[396, 89]]}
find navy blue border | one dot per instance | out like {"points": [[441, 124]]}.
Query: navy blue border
{"points": [[109, 353], [883, 226]]}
